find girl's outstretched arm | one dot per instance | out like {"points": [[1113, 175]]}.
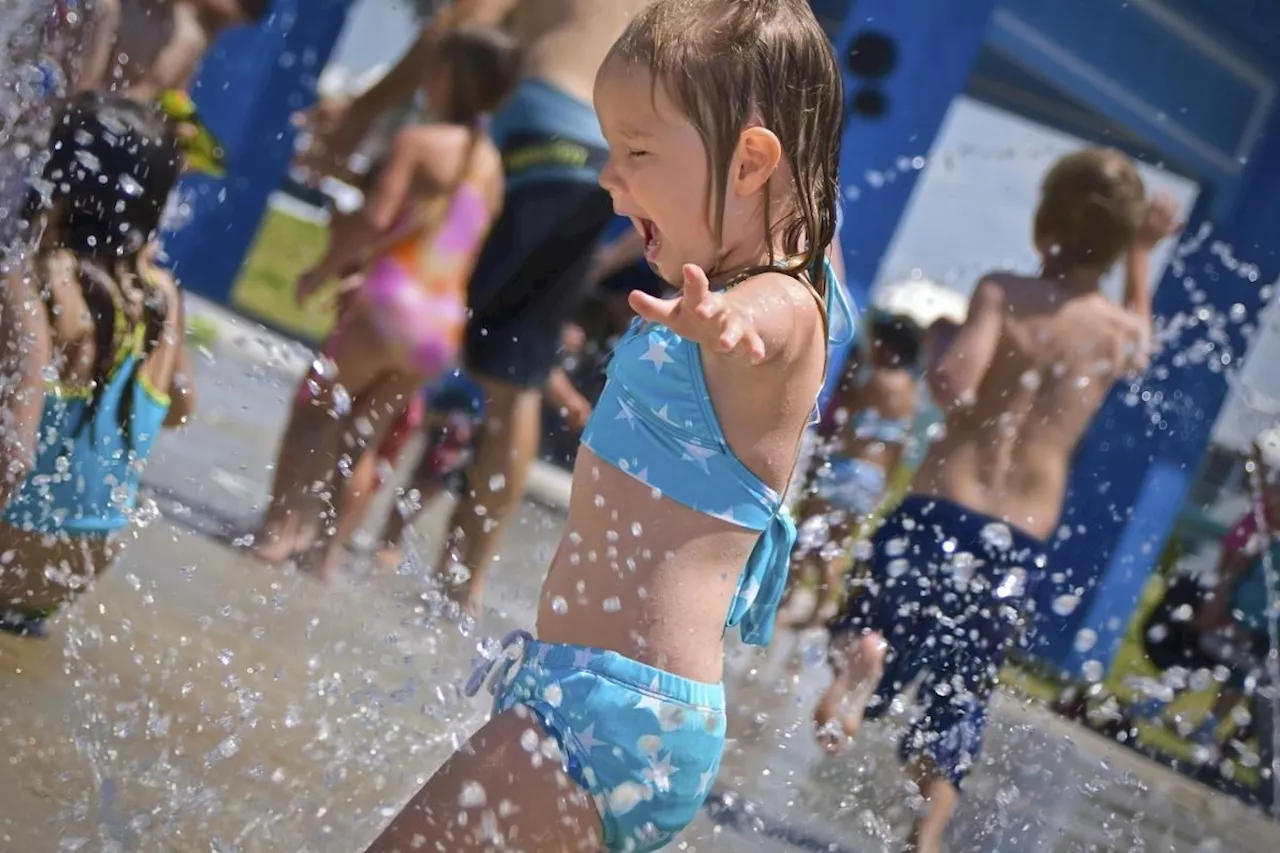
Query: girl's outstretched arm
{"points": [[25, 353]]}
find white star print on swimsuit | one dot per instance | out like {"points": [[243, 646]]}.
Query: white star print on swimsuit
{"points": [[644, 743]]}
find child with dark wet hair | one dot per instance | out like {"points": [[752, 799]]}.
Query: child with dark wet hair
{"points": [[953, 567], [91, 340], [723, 121]]}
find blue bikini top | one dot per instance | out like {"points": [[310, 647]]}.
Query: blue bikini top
{"points": [[655, 421]]}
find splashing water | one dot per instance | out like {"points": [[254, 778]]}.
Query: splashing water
{"points": [[1271, 690]]}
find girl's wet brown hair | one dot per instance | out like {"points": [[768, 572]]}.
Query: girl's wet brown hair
{"points": [[732, 64], [1091, 205], [484, 64]]}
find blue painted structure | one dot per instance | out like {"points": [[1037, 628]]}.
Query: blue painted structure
{"points": [[1178, 83], [251, 83], [1190, 83]]}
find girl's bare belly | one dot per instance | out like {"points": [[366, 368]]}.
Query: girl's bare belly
{"points": [[646, 577], [38, 569]]}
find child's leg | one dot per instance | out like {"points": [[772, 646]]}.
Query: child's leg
{"points": [[494, 794], [428, 481], [375, 412], [358, 490], [940, 799], [505, 449], [291, 519], [857, 667]]}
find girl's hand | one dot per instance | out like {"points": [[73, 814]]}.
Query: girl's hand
{"points": [[697, 314], [308, 283], [345, 293]]}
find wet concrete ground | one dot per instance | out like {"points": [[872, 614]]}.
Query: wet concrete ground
{"points": [[198, 701]]}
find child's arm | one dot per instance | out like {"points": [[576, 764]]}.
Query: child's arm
{"points": [[355, 239], [1159, 221], [182, 389], [99, 41], [339, 126], [960, 367], [25, 353], [575, 408], [756, 319]]}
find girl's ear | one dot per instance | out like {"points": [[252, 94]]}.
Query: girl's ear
{"points": [[755, 160]]}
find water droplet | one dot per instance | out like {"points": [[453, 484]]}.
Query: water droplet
{"points": [[1238, 313], [1092, 671], [896, 547], [1030, 380], [472, 795], [636, 529], [497, 483], [559, 605], [1065, 605], [1086, 639], [998, 536], [612, 605], [897, 568]]}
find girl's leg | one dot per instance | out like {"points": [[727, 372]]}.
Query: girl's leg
{"points": [[311, 445], [428, 484], [494, 794], [374, 413], [288, 525], [506, 445], [835, 565], [357, 491]]}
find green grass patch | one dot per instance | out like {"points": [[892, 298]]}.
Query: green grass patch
{"points": [[201, 332], [285, 247]]}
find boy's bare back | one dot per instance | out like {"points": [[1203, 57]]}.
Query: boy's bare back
{"points": [[1054, 356]]}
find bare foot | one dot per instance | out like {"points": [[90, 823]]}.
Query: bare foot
{"points": [[275, 546], [323, 562], [389, 557], [838, 715], [463, 588]]}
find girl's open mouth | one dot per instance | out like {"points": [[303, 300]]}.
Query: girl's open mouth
{"points": [[652, 238]]}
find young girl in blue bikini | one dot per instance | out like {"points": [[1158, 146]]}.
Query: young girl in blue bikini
{"points": [[723, 121]]}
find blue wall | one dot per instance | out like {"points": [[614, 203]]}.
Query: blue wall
{"points": [[938, 43], [251, 83]]}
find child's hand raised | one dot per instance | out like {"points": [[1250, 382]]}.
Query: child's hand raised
{"points": [[1160, 220], [698, 314]]}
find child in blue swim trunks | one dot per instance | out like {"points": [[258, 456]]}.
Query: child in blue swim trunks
{"points": [[954, 566], [723, 120]]}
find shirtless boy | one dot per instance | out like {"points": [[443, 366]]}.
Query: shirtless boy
{"points": [[528, 280], [953, 566]]}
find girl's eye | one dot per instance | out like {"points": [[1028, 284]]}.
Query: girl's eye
{"points": [[634, 153]]}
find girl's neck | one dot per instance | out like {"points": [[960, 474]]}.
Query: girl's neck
{"points": [[733, 263]]}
